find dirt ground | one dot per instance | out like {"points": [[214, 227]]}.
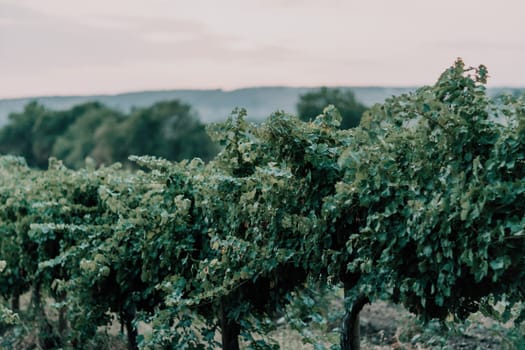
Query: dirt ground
{"points": [[383, 326]]}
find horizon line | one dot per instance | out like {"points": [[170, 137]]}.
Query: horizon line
{"points": [[226, 90]]}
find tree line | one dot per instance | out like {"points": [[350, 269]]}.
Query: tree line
{"points": [[166, 129], [108, 136]]}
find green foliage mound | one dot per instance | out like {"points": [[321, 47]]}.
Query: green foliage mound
{"points": [[433, 193], [421, 204]]}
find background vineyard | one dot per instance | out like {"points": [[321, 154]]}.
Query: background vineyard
{"points": [[421, 204]]}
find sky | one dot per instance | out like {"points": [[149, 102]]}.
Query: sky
{"points": [[70, 47]]}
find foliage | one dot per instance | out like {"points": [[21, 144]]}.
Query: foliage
{"points": [[434, 190], [420, 204], [7, 317]]}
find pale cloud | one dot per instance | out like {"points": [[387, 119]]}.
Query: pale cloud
{"points": [[46, 42]]}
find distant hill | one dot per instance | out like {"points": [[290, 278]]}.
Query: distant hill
{"points": [[211, 105]]}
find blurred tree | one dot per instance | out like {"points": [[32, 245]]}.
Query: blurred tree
{"points": [[169, 130], [52, 125], [109, 143], [312, 103], [16, 137], [82, 138], [33, 132]]}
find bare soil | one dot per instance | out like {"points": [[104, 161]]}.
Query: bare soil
{"points": [[383, 326], [386, 326]]}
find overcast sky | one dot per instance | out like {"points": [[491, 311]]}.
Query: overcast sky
{"points": [[69, 47]]}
